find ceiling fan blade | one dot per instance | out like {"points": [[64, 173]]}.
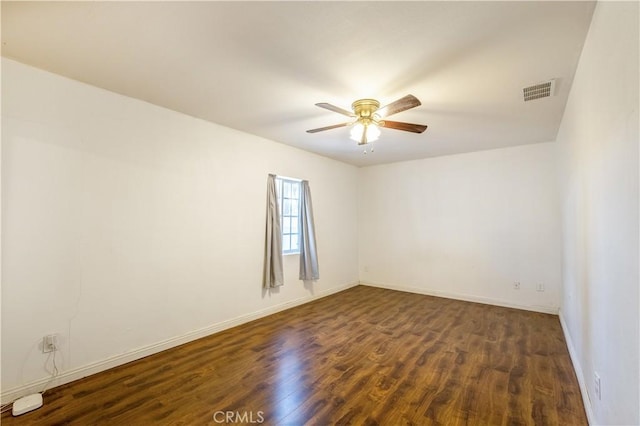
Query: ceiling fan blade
{"points": [[336, 109], [407, 127], [400, 105], [321, 129]]}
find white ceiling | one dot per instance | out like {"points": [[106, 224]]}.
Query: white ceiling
{"points": [[260, 67]]}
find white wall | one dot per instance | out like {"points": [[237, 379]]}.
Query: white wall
{"points": [[127, 225], [465, 226], [598, 141]]}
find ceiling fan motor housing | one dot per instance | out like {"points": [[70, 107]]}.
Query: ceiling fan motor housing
{"points": [[365, 108]]}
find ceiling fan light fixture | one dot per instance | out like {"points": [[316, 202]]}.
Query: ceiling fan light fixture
{"points": [[366, 128], [358, 129], [373, 133]]}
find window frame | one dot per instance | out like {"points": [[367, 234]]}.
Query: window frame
{"points": [[281, 181]]}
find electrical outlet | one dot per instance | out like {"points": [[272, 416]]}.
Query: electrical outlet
{"points": [[516, 285], [49, 343], [540, 287], [597, 386]]}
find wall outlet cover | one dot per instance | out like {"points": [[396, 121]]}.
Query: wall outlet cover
{"points": [[49, 343]]}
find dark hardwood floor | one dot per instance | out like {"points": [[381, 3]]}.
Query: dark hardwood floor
{"points": [[364, 356]]}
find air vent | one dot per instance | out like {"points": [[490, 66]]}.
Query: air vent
{"points": [[537, 91]]}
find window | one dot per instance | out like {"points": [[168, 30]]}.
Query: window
{"points": [[289, 204]]}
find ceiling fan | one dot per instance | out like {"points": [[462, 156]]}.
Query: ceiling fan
{"points": [[369, 118]]}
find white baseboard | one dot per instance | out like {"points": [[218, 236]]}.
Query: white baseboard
{"points": [[97, 367], [578, 369], [467, 298]]}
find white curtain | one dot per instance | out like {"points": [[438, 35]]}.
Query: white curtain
{"points": [[273, 276], [308, 253]]}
